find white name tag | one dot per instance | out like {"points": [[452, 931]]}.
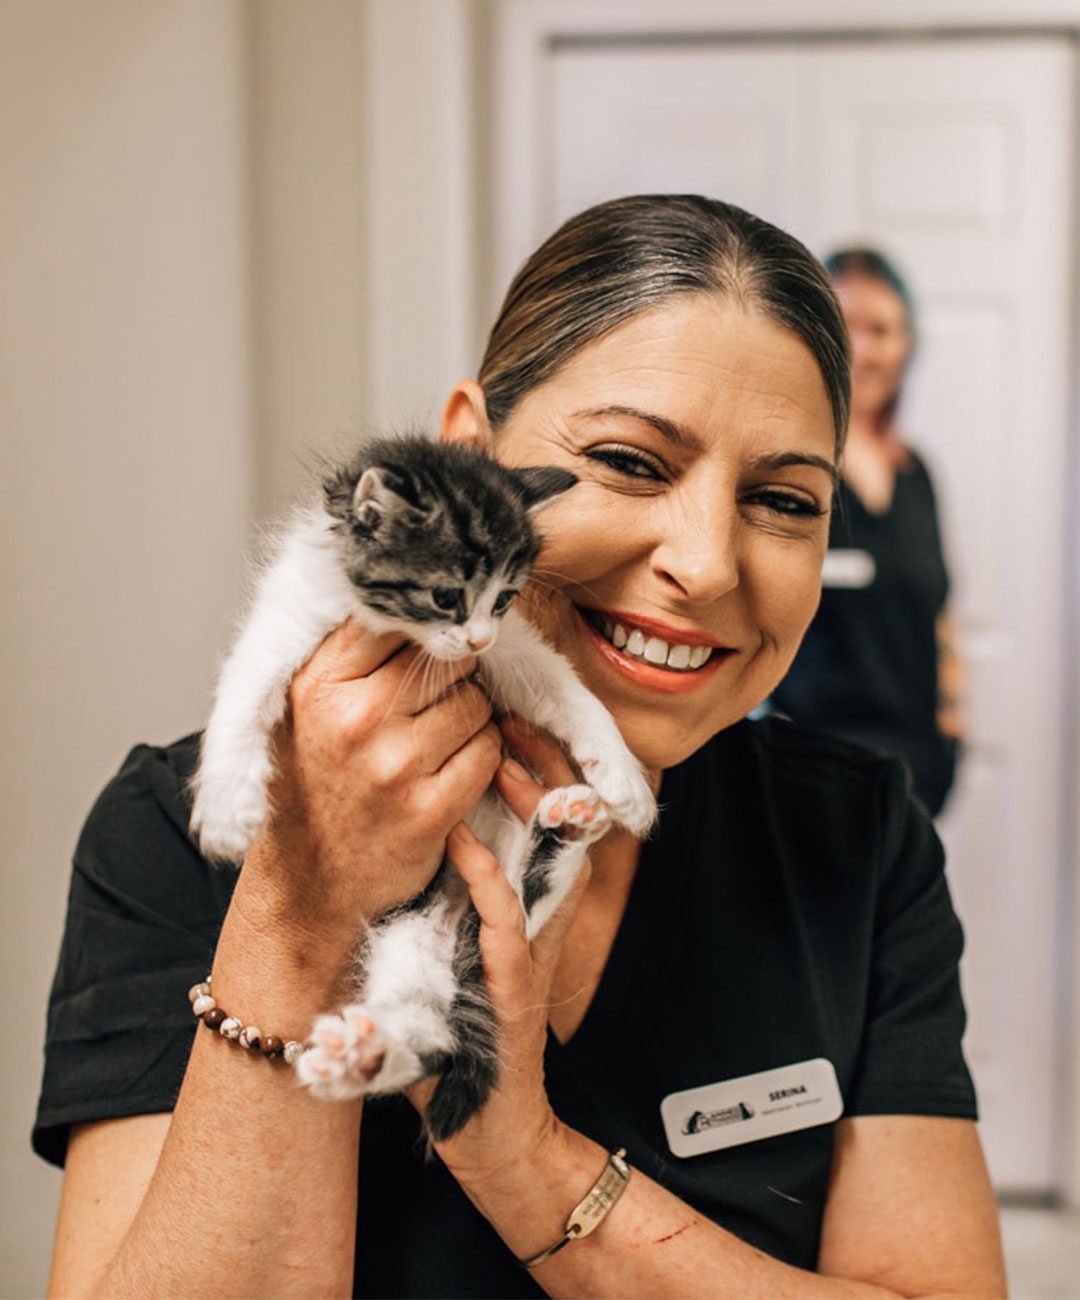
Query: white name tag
{"points": [[849, 569], [751, 1108]]}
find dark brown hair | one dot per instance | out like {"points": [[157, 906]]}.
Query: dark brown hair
{"points": [[630, 255]]}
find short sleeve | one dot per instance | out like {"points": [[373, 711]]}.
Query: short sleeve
{"points": [[911, 1060], [144, 910]]}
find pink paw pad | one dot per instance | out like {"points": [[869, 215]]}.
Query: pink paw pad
{"points": [[346, 1052], [576, 812]]}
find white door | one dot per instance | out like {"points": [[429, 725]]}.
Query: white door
{"points": [[955, 157]]}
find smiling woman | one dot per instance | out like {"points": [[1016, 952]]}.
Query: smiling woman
{"points": [[758, 1009]]}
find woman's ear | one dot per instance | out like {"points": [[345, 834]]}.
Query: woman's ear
{"points": [[464, 418]]}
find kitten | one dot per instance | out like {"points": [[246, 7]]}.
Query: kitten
{"points": [[435, 541]]}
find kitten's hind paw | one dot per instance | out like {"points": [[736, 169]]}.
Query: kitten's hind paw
{"points": [[350, 1056], [574, 812], [344, 1056]]}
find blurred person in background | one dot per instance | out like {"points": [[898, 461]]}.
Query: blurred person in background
{"points": [[879, 663]]}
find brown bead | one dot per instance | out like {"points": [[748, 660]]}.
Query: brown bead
{"points": [[213, 1018], [272, 1046]]}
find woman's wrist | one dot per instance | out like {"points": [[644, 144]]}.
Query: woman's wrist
{"points": [[546, 1183], [277, 973]]}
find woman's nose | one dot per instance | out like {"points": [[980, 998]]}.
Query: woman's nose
{"points": [[700, 560]]}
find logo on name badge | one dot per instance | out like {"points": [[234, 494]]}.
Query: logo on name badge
{"points": [[752, 1107]]}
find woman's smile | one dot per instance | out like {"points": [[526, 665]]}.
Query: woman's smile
{"points": [[675, 663]]}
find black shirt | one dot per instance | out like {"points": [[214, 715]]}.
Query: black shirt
{"points": [[868, 666], [792, 905]]}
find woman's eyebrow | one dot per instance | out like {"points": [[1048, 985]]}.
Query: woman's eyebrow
{"points": [[678, 434], [781, 460]]}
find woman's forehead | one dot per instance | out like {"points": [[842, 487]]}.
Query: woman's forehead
{"points": [[696, 359]]}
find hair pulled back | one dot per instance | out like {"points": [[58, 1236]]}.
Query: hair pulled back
{"points": [[627, 256]]}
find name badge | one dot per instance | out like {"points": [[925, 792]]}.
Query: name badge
{"points": [[753, 1107], [849, 569]]}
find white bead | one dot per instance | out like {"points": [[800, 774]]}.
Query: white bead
{"points": [[203, 1003], [293, 1051], [250, 1036], [230, 1027], [198, 991]]}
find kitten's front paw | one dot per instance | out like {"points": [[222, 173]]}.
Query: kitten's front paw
{"points": [[228, 814], [623, 787], [345, 1056], [574, 812]]}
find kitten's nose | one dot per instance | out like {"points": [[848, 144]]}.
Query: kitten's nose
{"points": [[479, 633]]}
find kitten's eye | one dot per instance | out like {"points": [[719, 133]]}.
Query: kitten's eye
{"points": [[502, 600], [447, 597]]}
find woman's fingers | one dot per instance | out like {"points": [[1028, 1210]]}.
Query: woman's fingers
{"points": [[540, 754], [442, 729], [521, 791], [412, 681], [350, 652], [465, 775]]}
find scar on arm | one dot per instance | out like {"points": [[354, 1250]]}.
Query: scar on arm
{"points": [[676, 1233]]}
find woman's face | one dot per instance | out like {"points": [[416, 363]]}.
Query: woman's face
{"points": [[880, 342], [702, 438]]}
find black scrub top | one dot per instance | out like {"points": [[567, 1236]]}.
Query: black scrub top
{"points": [[792, 904], [868, 666]]}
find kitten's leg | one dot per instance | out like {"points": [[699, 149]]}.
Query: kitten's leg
{"points": [[525, 675], [409, 1013], [299, 600], [567, 821], [541, 863]]}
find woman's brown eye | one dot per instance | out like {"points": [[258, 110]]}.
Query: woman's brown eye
{"points": [[625, 462], [786, 503]]}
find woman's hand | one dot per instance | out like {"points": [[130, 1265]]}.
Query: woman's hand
{"points": [[381, 752], [517, 1123]]}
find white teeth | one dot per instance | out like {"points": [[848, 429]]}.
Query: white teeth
{"points": [[653, 649], [679, 656]]}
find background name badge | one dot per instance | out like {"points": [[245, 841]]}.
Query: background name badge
{"points": [[752, 1107]]}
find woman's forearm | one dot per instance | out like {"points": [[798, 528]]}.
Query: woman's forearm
{"points": [[255, 1189], [649, 1244]]}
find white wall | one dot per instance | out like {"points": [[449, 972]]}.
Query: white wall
{"points": [[126, 485]]}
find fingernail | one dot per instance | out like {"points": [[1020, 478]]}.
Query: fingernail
{"points": [[463, 833], [514, 770]]}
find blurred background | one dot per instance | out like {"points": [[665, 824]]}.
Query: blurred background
{"points": [[233, 232]]}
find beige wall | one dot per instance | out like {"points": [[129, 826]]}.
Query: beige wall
{"points": [[126, 436], [309, 230]]}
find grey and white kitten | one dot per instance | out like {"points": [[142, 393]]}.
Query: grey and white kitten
{"points": [[434, 541]]}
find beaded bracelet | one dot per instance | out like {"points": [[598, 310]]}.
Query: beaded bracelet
{"points": [[235, 1031]]}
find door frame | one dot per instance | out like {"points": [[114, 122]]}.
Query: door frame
{"points": [[525, 31]]}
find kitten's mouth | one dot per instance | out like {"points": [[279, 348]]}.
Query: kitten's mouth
{"points": [[646, 647]]}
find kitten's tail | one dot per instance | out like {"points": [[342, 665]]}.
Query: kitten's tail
{"points": [[473, 1070]]}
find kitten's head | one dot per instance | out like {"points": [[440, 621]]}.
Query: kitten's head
{"points": [[438, 539]]}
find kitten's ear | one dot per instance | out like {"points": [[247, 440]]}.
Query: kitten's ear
{"points": [[540, 484], [380, 491]]}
